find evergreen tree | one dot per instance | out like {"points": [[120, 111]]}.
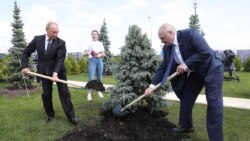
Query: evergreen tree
{"points": [[16, 78], [134, 72], [103, 37], [194, 20]]}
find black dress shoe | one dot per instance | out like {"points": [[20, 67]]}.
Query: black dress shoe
{"points": [[73, 121], [50, 118], [183, 130]]}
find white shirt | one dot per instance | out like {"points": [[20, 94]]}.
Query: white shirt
{"points": [[46, 42], [177, 57], [177, 54], [95, 46]]}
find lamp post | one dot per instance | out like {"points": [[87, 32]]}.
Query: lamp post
{"points": [[149, 18]]}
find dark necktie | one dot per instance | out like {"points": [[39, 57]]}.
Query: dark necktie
{"points": [[170, 62], [48, 44]]}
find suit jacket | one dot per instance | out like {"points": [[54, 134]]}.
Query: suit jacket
{"points": [[52, 61], [196, 54]]}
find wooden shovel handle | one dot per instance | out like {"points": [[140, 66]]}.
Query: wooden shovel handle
{"points": [[50, 78], [142, 96]]}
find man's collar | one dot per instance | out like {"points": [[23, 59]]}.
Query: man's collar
{"points": [[175, 39], [46, 37]]}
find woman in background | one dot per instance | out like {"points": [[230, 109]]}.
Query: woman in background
{"points": [[95, 54]]}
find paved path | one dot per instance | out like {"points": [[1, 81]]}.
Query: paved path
{"points": [[239, 103]]}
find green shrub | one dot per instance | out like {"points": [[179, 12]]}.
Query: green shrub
{"points": [[237, 62], [83, 65], [247, 65], [3, 67], [71, 65]]}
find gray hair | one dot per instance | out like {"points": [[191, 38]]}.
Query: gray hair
{"points": [[49, 24], [166, 27]]}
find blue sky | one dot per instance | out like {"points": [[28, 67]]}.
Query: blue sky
{"points": [[225, 23]]}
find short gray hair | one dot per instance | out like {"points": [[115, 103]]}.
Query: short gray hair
{"points": [[49, 24], [166, 27]]}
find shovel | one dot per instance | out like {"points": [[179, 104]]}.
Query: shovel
{"points": [[93, 84], [119, 111]]}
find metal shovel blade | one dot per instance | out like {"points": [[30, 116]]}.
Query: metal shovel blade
{"points": [[96, 85], [117, 111]]}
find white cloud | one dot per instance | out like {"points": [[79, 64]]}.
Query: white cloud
{"points": [[36, 19], [40, 13], [132, 5], [228, 26], [5, 36]]}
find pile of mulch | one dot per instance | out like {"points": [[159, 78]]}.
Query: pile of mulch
{"points": [[138, 126]]}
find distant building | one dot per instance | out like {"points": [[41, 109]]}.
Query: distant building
{"points": [[244, 54], [77, 55], [2, 55]]}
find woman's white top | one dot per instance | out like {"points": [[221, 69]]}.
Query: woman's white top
{"points": [[95, 46]]}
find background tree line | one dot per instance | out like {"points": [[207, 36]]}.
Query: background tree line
{"points": [[9, 65]]}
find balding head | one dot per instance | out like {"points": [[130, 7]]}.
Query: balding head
{"points": [[167, 33], [166, 27]]}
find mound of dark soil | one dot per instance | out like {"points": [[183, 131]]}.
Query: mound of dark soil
{"points": [[138, 126], [17, 92]]}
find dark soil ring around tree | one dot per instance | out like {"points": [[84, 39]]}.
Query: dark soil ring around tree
{"points": [[138, 126]]}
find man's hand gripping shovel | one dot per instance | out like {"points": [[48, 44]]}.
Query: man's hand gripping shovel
{"points": [[93, 84]]}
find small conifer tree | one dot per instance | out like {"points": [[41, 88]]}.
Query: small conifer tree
{"points": [[194, 20], [106, 43], [134, 72], [16, 78]]}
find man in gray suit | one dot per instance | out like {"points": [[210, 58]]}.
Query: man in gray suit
{"points": [[51, 52], [198, 66]]}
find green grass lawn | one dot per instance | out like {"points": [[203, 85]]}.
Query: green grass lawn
{"points": [[236, 123], [240, 89], [23, 118]]}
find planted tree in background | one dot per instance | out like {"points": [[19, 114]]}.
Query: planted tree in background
{"points": [[134, 72], [16, 78], [194, 20], [103, 37]]}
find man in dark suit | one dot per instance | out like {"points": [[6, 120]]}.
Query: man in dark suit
{"points": [[198, 66], [51, 52]]}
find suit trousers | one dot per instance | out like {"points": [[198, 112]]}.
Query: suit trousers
{"points": [[213, 90], [64, 96]]}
